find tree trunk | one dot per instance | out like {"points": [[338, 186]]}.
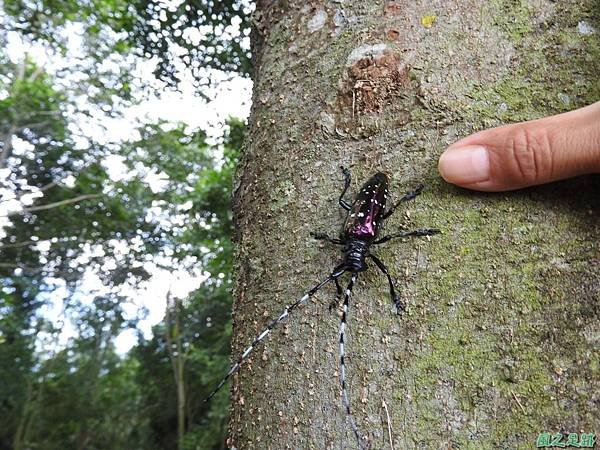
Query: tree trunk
{"points": [[177, 357], [500, 341], [25, 419]]}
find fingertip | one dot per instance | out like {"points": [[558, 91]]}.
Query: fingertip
{"points": [[465, 165], [527, 153]]}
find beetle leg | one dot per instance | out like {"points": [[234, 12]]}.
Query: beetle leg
{"points": [[400, 306], [402, 234], [347, 177], [338, 298], [324, 237], [408, 197]]}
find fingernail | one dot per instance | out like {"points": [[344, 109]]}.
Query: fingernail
{"points": [[465, 165]]}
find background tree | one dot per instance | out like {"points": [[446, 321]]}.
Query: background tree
{"points": [[498, 343], [46, 175], [196, 41], [200, 344], [66, 216]]}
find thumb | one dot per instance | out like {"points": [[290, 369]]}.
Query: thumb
{"points": [[527, 153]]}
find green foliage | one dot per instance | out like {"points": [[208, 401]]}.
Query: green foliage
{"points": [[33, 116], [88, 364], [32, 104], [69, 217], [38, 155], [197, 35], [16, 358], [206, 332], [88, 369], [205, 319], [210, 33], [43, 20]]}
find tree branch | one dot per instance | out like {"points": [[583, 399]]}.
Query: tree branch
{"points": [[7, 150], [17, 266], [68, 201], [18, 244]]}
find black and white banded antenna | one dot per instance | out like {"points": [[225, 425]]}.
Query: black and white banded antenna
{"points": [[339, 270]]}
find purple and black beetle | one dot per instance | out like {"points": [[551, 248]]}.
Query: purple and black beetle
{"points": [[365, 217]]}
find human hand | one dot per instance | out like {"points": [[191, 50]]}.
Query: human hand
{"points": [[527, 153]]}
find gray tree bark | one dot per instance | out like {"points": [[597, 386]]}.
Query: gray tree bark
{"points": [[501, 338]]}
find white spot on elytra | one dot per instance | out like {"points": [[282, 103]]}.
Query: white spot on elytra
{"points": [[317, 21]]}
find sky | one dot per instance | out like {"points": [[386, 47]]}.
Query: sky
{"points": [[230, 98]]}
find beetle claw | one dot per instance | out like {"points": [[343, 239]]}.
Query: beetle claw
{"points": [[400, 307]]}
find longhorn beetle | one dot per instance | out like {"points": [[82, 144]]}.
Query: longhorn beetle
{"points": [[360, 232]]}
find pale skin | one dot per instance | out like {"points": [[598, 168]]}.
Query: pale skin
{"points": [[527, 153]]}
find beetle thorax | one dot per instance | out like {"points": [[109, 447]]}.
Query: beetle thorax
{"points": [[356, 251]]}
